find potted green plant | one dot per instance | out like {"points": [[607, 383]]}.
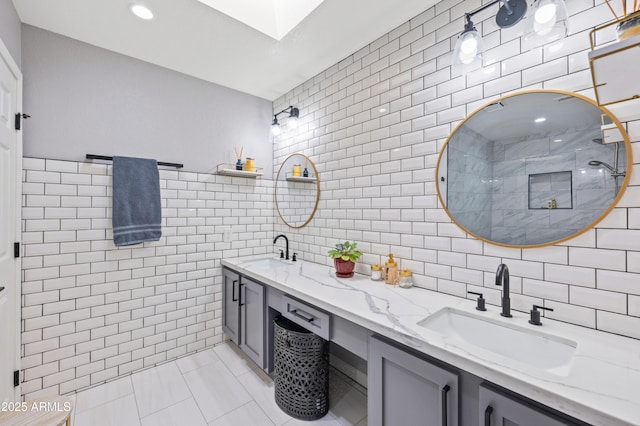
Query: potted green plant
{"points": [[344, 257]]}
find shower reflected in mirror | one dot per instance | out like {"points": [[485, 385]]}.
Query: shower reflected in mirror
{"points": [[533, 168], [613, 170]]}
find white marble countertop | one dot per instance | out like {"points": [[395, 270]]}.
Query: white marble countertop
{"points": [[602, 386]]}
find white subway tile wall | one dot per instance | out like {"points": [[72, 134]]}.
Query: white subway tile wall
{"points": [[374, 124], [92, 312]]}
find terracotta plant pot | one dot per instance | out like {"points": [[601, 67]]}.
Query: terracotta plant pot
{"points": [[344, 268]]}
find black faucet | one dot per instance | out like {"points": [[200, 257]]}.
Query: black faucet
{"points": [[502, 278], [287, 241]]}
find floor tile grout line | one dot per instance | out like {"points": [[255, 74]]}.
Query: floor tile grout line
{"points": [[104, 403], [253, 370], [166, 407], [200, 366], [240, 358], [194, 398], [191, 392], [109, 402], [155, 368], [135, 399], [257, 403], [247, 403]]}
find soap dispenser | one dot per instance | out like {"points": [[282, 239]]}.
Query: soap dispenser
{"points": [[390, 270]]}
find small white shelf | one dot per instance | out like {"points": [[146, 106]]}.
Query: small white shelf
{"points": [[301, 179], [230, 170], [614, 68]]}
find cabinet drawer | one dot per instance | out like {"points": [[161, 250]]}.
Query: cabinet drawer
{"points": [[306, 316]]}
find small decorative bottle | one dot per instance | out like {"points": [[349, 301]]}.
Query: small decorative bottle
{"points": [[406, 279], [305, 172], [390, 270], [296, 170], [249, 166], [376, 272], [239, 164]]}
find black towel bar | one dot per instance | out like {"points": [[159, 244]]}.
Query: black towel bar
{"points": [[104, 157]]}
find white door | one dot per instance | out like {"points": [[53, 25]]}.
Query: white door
{"points": [[10, 193]]}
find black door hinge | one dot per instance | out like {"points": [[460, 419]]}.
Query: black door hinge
{"points": [[19, 117], [16, 249], [16, 378]]}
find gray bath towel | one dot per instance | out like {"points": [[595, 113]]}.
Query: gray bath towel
{"points": [[136, 201]]}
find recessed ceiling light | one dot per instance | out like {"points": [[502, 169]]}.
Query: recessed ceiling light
{"points": [[141, 11], [540, 120]]}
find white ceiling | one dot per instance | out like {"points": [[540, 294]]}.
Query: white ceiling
{"points": [[191, 37]]}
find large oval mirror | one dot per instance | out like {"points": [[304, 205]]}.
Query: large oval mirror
{"points": [[533, 168], [297, 190]]}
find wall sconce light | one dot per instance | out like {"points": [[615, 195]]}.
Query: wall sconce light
{"points": [[547, 22], [293, 112], [467, 55], [469, 50]]}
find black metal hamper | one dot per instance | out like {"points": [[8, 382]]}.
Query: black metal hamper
{"points": [[301, 373]]}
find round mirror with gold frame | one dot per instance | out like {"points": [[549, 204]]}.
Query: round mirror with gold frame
{"points": [[297, 190], [533, 168]]}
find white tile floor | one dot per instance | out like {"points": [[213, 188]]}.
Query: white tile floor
{"points": [[216, 387]]}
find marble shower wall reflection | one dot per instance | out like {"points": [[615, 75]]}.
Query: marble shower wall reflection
{"points": [[470, 186], [489, 192], [578, 202]]}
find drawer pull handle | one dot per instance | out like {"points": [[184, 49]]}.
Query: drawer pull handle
{"points": [[445, 392], [233, 291], [295, 313], [487, 415]]}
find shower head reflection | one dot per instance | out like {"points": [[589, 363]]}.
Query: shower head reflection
{"points": [[597, 163]]}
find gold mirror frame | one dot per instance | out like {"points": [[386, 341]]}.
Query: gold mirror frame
{"points": [[615, 201], [282, 172]]}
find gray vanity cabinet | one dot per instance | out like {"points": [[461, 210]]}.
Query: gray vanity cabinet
{"points": [[498, 409], [252, 314], [244, 314], [231, 305], [404, 389]]}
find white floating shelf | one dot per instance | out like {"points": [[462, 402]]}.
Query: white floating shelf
{"points": [[614, 68], [301, 179], [230, 170]]}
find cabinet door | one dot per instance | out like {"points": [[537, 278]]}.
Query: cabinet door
{"points": [[252, 315], [231, 305], [497, 409], [406, 390]]}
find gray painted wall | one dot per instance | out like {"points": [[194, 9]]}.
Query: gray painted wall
{"points": [[10, 31], [84, 99]]}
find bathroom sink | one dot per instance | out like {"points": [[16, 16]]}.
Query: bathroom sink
{"points": [[268, 263], [542, 351]]}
